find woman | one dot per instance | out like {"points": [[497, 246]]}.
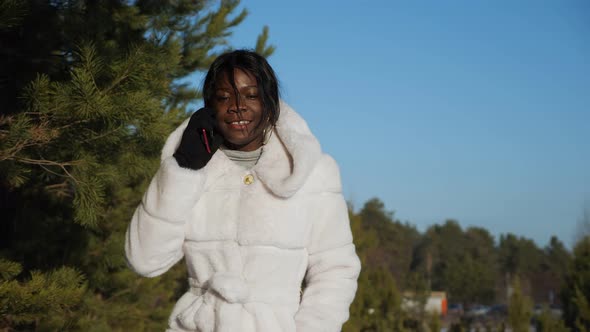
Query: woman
{"points": [[245, 194]]}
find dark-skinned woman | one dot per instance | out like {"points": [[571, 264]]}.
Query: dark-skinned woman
{"points": [[245, 194]]}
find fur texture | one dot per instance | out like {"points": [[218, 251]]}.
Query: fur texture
{"points": [[248, 247]]}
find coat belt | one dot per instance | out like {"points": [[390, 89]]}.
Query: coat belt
{"points": [[234, 289], [225, 292]]}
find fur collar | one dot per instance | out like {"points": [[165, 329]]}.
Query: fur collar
{"points": [[286, 161]]}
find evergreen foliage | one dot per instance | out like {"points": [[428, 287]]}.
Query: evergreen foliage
{"points": [[11, 13], [576, 292], [547, 322], [89, 90], [460, 262], [434, 324], [394, 242], [50, 297], [519, 309], [377, 305], [466, 263]]}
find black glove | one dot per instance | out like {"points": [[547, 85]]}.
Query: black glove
{"points": [[197, 146]]}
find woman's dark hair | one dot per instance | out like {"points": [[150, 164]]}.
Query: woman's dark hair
{"points": [[254, 64]]}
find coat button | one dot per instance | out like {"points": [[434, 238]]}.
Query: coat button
{"points": [[248, 179]]}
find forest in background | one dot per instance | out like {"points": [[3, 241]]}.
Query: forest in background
{"points": [[90, 89], [472, 268]]}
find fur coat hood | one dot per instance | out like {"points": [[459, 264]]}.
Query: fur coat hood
{"points": [[288, 157]]}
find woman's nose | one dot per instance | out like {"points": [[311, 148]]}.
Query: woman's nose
{"points": [[239, 106]]}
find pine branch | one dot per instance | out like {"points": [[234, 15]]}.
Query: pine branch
{"points": [[261, 44], [12, 12], [50, 297], [46, 162], [9, 270]]}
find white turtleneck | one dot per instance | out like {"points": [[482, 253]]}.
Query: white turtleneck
{"points": [[246, 159]]}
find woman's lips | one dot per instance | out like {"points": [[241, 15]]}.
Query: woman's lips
{"points": [[239, 125]]}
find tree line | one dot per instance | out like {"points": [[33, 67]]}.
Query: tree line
{"points": [[469, 265], [88, 92]]}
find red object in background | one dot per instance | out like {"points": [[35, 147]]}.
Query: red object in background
{"points": [[444, 307]]}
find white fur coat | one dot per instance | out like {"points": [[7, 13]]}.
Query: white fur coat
{"points": [[249, 246]]}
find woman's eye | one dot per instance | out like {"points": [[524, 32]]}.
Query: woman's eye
{"points": [[252, 96], [222, 98]]}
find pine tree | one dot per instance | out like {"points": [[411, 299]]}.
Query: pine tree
{"points": [[377, 304], [434, 323], [89, 90], [519, 309], [547, 322], [575, 295]]}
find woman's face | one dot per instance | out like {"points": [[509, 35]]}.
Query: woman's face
{"points": [[239, 125]]}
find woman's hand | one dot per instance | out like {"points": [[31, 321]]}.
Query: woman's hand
{"points": [[199, 140]]}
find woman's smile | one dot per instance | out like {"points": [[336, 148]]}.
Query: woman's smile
{"points": [[239, 125]]}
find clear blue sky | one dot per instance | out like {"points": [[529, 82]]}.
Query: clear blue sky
{"points": [[473, 110]]}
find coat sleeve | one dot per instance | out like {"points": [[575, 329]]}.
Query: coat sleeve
{"points": [[154, 238], [333, 265]]}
